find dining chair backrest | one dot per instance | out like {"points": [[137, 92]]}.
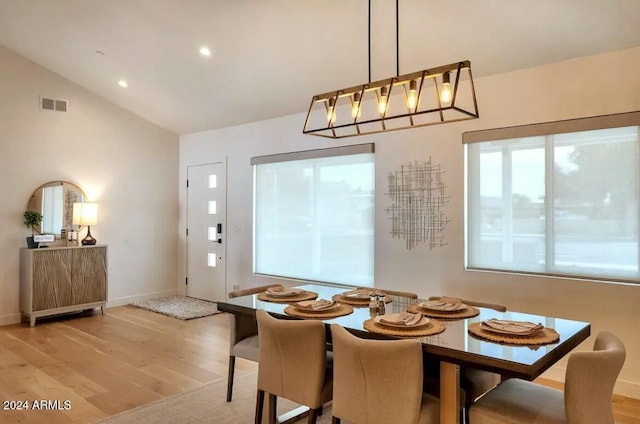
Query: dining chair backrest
{"points": [[586, 398], [243, 327], [292, 358], [590, 378], [243, 336], [376, 381], [410, 295], [250, 290]]}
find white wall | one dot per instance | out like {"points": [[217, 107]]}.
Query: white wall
{"points": [[126, 164], [595, 85]]}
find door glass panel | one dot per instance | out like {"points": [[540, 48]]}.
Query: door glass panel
{"points": [[211, 260], [213, 181], [213, 207]]}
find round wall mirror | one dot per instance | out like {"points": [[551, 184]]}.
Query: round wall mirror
{"points": [[54, 200]]}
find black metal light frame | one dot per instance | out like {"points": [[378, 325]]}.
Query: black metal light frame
{"points": [[444, 112]]}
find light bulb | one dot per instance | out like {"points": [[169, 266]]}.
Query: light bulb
{"points": [[383, 102], [331, 111], [445, 91], [355, 107], [412, 97]]}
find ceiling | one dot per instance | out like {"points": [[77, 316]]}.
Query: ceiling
{"points": [[270, 56]]}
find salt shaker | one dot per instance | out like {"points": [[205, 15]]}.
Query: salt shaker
{"points": [[381, 307]]}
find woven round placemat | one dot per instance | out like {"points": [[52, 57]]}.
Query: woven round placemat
{"points": [[305, 295], [542, 337], [361, 303], [333, 313], [434, 327], [467, 312]]}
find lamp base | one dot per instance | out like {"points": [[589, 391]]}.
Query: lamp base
{"points": [[31, 244], [88, 240]]}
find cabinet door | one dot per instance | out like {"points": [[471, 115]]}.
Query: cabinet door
{"points": [[88, 275], [51, 279]]}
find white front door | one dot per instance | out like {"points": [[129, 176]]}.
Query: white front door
{"points": [[206, 229]]}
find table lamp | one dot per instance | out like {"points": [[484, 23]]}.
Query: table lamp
{"points": [[86, 214]]}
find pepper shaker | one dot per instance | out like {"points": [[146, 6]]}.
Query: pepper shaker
{"points": [[373, 305]]}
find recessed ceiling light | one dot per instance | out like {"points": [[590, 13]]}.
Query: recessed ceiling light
{"points": [[123, 83], [204, 51]]}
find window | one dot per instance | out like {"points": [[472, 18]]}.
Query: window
{"points": [[557, 198], [313, 215]]}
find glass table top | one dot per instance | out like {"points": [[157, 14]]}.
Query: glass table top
{"points": [[455, 344]]}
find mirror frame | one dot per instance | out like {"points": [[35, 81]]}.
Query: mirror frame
{"points": [[71, 193]]}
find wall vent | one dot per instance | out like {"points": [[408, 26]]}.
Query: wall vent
{"points": [[53, 104]]}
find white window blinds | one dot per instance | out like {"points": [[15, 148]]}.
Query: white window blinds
{"points": [[314, 215], [558, 198]]}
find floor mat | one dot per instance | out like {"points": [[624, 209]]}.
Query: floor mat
{"points": [[180, 307]]}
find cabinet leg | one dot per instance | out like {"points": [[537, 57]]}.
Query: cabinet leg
{"points": [[102, 309], [32, 321]]}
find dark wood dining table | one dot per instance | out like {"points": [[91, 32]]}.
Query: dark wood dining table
{"points": [[453, 348]]}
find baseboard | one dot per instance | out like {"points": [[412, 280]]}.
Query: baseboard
{"points": [[625, 388], [16, 318], [9, 319], [125, 300]]}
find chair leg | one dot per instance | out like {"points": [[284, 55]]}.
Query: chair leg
{"points": [[320, 410], [313, 416], [335, 420], [232, 367], [273, 405], [259, 406]]}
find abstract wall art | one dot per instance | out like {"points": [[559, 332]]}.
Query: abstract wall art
{"points": [[418, 198]]}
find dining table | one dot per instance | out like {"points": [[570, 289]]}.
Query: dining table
{"points": [[454, 347]]}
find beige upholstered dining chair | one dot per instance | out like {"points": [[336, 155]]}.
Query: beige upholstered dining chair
{"points": [[379, 381], [589, 382], [293, 364], [243, 341], [392, 292]]}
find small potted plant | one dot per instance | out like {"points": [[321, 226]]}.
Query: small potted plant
{"points": [[32, 219]]}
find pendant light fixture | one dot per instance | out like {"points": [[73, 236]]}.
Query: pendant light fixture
{"points": [[428, 97]]}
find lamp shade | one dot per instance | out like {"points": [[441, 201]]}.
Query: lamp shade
{"points": [[85, 213]]}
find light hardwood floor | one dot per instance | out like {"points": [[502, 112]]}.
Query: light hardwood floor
{"points": [[129, 357]]}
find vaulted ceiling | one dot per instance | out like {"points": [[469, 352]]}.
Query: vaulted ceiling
{"points": [[270, 56]]}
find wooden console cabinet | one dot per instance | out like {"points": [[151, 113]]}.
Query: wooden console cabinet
{"points": [[57, 280]]}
